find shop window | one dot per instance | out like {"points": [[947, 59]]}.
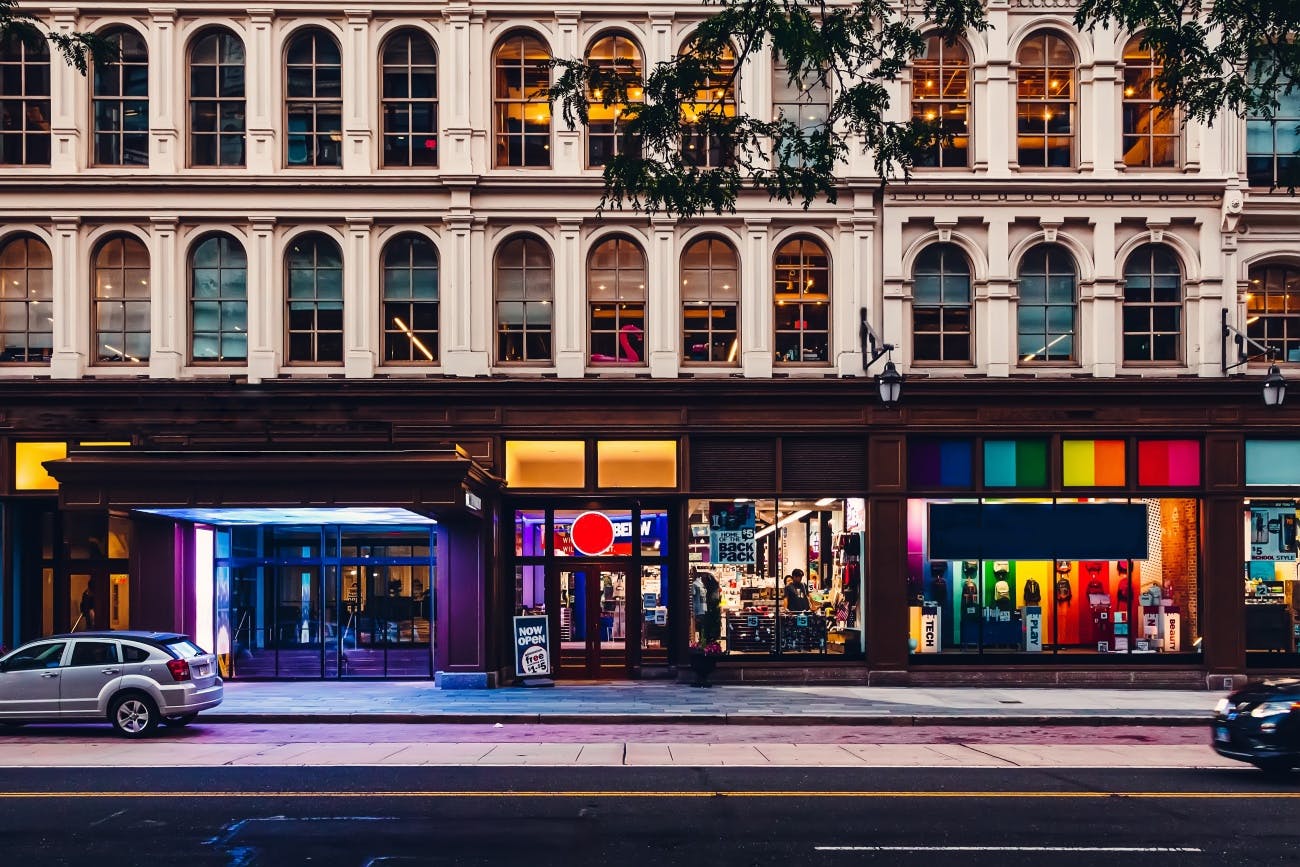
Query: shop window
{"points": [[1015, 463], [410, 292], [26, 301], [715, 99], [941, 95], [710, 302], [409, 107], [1273, 141], [1273, 462], [315, 302], [805, 104], [1093, 463], [1169, 463], [25, 91], [219, 300], [636, 463], [217, 100], [941, 305], [1273, 308], [614, 55], [120, 101], [523, 114], [802, 293], [314, 100], [779, 578], [616, 296], [121, 300], [1047, 307], [1272, 577], [1045, 102], [29, 474], [524, 294], [939, 463], [1153, 305], [546, 463], [1150, 133]]}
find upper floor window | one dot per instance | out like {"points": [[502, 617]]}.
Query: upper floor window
{"points": [[1150, 134], [805, 104], [120, 104], [217, 100], [802, 293], [941, 94], [218, 300], [616, 296], [615, 55], [1273, 144], [24, 101], [523, 114], [121, 300], [410, 291], [941, 305], [710, 301], [26, 300], [716, 96], [1153, 305], [314, 100], [315, 302], [410, 100], [1273, 309], [524, 295], [1045, 88], [1047, 307]]}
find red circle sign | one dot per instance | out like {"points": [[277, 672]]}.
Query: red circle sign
{"points": [[592, 533]]}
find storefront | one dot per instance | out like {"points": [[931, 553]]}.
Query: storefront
{"points": [[1272, 558]]}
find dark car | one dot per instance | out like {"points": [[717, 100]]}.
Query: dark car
{"points": [[1261, 725]]}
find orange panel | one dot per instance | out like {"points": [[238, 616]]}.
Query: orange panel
{"points": [[1110, 463]]}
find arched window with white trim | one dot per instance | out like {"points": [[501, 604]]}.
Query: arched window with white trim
{"points": [[1153, 305], [410, 293], [410, 100], [24, 101], [941, 305], [314, 305], [614, 54], [941, 95], [616, 296], [120, 275], [26, 301], [522, 122], [1048, 306], [217, 99], [710, 302], [801, 294], [525, 298], [1046, 128], [313, 107], [218, 301], [120, 101]]}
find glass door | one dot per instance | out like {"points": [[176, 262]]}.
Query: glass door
{"points": [[593, 621]]}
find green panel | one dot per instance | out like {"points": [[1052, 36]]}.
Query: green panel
{"points": [[1031, 463]]}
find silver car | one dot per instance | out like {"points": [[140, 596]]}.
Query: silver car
{"points": [[135, 680]]}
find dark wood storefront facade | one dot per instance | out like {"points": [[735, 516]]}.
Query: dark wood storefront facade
{"points": [[785, 437]]}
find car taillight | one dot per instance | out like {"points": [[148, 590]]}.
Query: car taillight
{"points": [[179, 668]]}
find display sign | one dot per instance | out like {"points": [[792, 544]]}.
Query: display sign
{"points": [[649, 601], [1032, 616], [931, 627], [1272, 531], [532, 645], [731, 534], [1171, 619], [592, 533]]}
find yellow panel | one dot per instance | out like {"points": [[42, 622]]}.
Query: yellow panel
{"points": [[96, 444], [636, 463], [29, 475], [545, 463]]}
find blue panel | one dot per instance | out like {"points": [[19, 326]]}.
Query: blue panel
{"points": [[1038, 531], [1273, 462], [955, 531], [1018, 531], [955, 463], [1101, 531]]}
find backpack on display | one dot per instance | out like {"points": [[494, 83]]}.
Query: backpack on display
{"points": [[1064, 592], [1033, 594], [970, 592]]}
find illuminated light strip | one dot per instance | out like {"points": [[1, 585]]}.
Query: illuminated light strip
{"points": [[447, 793], [788, 519], [410, 335], [95, 444], [1007, 849]]}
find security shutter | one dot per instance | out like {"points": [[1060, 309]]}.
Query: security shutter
{"points": [[733, 465], [822, 467]]}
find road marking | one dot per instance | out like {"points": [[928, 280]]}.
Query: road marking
{"points": [[452, 793], [1138, 849]]}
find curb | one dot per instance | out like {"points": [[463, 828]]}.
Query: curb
{"points": [[605, 719]]}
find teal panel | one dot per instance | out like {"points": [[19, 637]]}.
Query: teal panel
{"points": [[1000, 463], [1273, 462]]}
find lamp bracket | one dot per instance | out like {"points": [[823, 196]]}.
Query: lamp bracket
{"points": [[1243, 342], [873, 349]]}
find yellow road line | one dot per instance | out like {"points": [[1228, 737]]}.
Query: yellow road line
{"points": [[451, 793]]}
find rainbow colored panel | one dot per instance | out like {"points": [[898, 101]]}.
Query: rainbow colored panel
{"points": [[1092, 463], [1015, 463], [1169, 463], [940, 463]]}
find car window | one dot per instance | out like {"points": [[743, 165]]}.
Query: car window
{"points": [[184, 649], [94, 653], [45, 655], [132, 653]]}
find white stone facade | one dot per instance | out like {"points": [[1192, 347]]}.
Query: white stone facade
{"points": [[1099, 210]]}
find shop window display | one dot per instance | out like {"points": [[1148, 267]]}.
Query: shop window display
{"points": [[1048, 602], [1272, 613], [777, 577]]}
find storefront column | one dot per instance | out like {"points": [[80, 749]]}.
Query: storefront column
{"points": [[852, 290], [360, 300], [994, 323], [460, 636], [68, 95], [165, 151], [756, 300], [158, 572], [1223, 603], [569, 306], [68, 361], [259, 76], [263, 303], [167, 307], [664, 302], [885, 561], [358, 122]]}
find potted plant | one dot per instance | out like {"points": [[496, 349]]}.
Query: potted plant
{"points": [[704, 658]]}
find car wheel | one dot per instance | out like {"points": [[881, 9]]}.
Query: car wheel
{"points": [[181, 721], [1276, 767], [133, 715]]}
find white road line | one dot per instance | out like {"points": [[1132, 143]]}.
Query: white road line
{"points": [[1138, 849]]}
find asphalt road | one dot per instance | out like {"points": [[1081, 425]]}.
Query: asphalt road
{"points": [[615, 817]]}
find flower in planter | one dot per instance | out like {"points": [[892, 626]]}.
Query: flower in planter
{"points": [[712, 648]]}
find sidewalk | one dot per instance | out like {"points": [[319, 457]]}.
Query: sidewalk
{"points": [[623, 703]]}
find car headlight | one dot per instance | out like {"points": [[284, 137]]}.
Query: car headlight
{"points": [[1274, 708], [1222, 706]]}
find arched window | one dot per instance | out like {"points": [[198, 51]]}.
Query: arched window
{"points": [[410, 290], [1045, 314], [121, 279], [941, 305], [941, 94], [1273, 145], [315, 303], [524, 296], [410, 110], [1273, 309], [616, 302], [314, 100], [1153, 305], [24, 101], [802, 293], [807, 105], [26, 300], [615, 54], [716, 96], [121, 101], [217, 100], [1045, 87], [523, 114], [710, 301], [1150, 135], [218, 300]]}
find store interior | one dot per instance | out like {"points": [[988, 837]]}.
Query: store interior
{"points": [[1272, 574]]}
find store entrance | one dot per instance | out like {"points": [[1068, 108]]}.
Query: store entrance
{"points": [[593, 628]]}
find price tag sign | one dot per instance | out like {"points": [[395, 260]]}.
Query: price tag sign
{"points": [[801, 620], [731, 534]]}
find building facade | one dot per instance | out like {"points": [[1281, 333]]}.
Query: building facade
{"points": [[315, 347]]}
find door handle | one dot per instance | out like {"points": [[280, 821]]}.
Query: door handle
{"points": [[108, 671], [49, 675]]}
